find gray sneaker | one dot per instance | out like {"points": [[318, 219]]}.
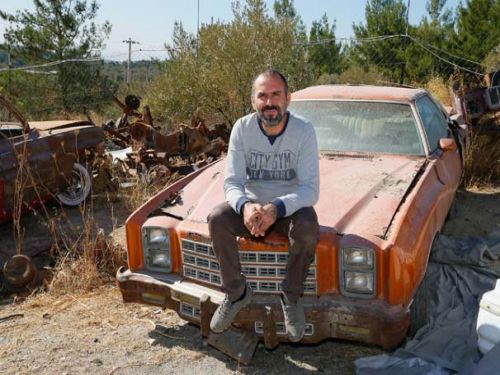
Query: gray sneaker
{"points": [[295, 319], [227, 311]]}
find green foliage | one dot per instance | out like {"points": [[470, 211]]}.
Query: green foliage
{"points": [[56, 30], [492, 62], [324, 53], [436, 30], [143, 74], [478, 29], [59, 30], [357, 74], [442, 44], [215, 71], [37, 93], [383, 17]]}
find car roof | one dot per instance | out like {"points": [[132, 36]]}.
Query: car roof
{"points": [[358, 92]]}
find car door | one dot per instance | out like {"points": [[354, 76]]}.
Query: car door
{"points": [[447, 163], [8, 166], [25, 165]]}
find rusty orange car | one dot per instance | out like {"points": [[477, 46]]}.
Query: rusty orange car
{"points": [[391, 160]]}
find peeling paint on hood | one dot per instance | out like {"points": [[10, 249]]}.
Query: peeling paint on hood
{"points": [[357, 194]]}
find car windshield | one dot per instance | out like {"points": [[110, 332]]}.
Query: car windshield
{"points": [[357, 126]]}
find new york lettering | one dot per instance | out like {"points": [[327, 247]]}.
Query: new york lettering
{"points": [[271, 166]]}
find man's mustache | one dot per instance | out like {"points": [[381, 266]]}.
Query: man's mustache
{"points": [[270, 108]]}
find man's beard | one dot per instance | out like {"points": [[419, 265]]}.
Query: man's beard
{"points": [[270, 121]]}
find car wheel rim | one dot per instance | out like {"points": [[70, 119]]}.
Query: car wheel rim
{"points": [[79, 188]]}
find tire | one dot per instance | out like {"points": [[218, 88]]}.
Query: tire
{"points": [[419, 309], [453, 212], [79, 188]]}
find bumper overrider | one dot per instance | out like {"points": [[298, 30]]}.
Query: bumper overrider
{"points": [[327, 316]]}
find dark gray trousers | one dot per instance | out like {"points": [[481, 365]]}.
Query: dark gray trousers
{"points": [[301, 228]]}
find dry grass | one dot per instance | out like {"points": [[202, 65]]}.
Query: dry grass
{"points": [[90, 262], [85, 258], [482, 160], [440, 89], [142, 190]]}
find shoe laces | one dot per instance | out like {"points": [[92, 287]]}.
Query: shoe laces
{"points": [[225, 307]]}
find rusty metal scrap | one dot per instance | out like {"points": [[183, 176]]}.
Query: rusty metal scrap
{"points": [[155, 156], [236, 343]]}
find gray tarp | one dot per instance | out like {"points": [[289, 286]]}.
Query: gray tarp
{"points": [[459, 272]]}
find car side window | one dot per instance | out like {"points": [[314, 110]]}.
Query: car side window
{"points": [[435, 124]]}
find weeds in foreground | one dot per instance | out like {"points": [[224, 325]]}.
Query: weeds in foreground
{"points": [[482, 160], [84, 256], [146, 186], [91, 262], [87, 257]]}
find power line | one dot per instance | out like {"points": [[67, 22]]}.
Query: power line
{"points": [[448, 53], [443, 59], [52, 64], [150, 50]]}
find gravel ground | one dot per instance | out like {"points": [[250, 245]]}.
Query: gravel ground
{"points": [[96, 332]]}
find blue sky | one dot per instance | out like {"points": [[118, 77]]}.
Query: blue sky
{"points": [[150, 22]]}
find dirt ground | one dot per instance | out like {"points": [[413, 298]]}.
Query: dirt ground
{"points": [[95, 332]]}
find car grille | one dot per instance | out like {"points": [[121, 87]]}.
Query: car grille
{"points": [[265, 270], [190, 311]]}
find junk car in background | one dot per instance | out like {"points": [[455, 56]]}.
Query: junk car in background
{"points": [[41, 160], [390, 164]]}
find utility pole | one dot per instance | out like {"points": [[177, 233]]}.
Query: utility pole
{"points": [[130, 42], [198, 21], [405, 42]]}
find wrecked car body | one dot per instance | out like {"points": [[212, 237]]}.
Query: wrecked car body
{"points": [[390, 164], [43, 160]]}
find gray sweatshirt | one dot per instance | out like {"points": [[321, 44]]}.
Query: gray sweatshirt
{"points": [[285, 172]]}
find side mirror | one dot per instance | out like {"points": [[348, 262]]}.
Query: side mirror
{"points": [[459, 119], [447, 144]]}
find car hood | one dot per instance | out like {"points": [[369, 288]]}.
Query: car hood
{"points": [[362, 194], [357, 194]]}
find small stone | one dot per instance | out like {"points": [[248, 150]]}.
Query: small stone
{"points": [[96, 361], [152, 342]]}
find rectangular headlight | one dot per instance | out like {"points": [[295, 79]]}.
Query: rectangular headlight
{"points": [[157, 235], [357, 271], [156, 248], [159, 259], [358, 282], [358, 257]]}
